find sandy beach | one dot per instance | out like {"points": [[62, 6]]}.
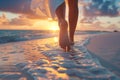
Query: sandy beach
{"points": [[43, 59], [106, 48]]}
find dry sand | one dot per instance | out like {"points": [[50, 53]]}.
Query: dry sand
{"points": [[106, 48]]}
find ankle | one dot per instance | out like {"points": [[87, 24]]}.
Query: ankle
{"points": [[72, 43], [63, 24]]}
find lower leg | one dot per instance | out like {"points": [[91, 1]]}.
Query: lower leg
{"points": [[63, 25], [73, 17], [60, 12]]}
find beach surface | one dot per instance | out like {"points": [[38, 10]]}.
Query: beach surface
{"points": [[106, 48], [43, 59]]}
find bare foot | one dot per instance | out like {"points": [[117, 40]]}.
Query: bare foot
{"points": [[63, 36], [72, 43]]}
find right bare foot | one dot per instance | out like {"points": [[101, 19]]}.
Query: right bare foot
{"points": [[72, 43], [64, 41]]}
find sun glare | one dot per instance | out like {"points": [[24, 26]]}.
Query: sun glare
{"points": [[54, 28], [53, 25], [55, 39]]}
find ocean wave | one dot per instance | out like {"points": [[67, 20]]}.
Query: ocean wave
{"points": [[7, 36], [7, 39]]}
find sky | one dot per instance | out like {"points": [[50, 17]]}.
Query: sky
{"points": [[32, 14]]}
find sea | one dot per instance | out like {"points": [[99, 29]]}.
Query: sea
{"points": [[7, 36]]}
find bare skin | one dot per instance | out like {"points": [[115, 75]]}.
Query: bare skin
{"points": [[65, 40], [73, 17]]}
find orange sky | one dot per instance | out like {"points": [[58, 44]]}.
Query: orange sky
{"points": [[18, 21], [22, 22]]}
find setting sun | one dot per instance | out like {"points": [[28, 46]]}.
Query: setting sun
{"points": [[54, 28]]}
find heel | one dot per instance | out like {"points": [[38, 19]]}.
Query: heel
{"points": [[67, 49]]}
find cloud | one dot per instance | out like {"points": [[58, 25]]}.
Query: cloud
{"points": [[24, 23], [3, 19], [16, 6], [30, 8], [102, 8], [21, 20]]}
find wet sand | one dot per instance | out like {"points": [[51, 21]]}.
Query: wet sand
{"points": [[14, 53]]}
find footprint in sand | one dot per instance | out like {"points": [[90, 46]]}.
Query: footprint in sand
{"points": [[13, 52], [5, 58]]}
